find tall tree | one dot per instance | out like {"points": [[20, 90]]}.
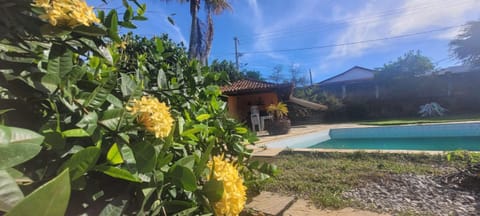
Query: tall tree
{"points": [[227, 67], [410, 64], [297, 77], [277, 74], [252, 74], [201, 38], [466, 46]]}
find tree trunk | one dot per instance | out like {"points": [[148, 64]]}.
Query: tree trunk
{"points": [[208, 40], [192, 47]]}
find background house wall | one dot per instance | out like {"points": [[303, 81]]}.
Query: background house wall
{"points": [[355, 73], [458, 91]]}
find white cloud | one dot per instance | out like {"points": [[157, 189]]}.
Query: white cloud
{"points": [[358, 32], [418, 15], [409, 16], [450, 34], [268, 30]]}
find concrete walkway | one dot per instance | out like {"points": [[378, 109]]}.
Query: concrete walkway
{"points": [[267, 203]]}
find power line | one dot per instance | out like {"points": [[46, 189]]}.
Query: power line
{"points": [[355, 42], [328, 26]]}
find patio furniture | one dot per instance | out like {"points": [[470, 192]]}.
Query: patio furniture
{"points": [[256, 124], [262, 121]]}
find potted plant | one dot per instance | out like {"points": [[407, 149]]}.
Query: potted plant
{"points": [[279, 124]]}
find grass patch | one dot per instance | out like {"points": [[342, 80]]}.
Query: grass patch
{"points": [[323, 177], [405, 121]]}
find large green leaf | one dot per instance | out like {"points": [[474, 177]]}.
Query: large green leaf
{"points": [[100, 94], [117, 173], [50, 199], [111, 118], [187, 212], [88, 122], [114, 101], [145, 156], [114, 208], [10, 193], [127, 154], [184, 178], [60, 61], [203, 117], [204, 159], [114, 156], [128, 15], [174, 206], [187, 162], [55, 140], [162, 161], [213, 190], [81, 162], [112, 24], [77, 132], [18, 145], [128, 85], [129, 25], [94, 31], [162, 79], [50, 81]]}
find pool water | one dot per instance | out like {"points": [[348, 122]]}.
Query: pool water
{"points": [[420, 143]]}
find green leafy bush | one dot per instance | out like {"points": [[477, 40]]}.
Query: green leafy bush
{"points": [[463, 156], [64, 97]]}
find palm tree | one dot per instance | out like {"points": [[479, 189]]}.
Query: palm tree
{"points": [[466, 46], [201, 42]]}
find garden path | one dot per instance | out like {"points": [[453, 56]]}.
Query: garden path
{"points": [[267, 203]]}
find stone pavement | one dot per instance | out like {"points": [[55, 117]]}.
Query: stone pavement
{"points": [[267, 203]]}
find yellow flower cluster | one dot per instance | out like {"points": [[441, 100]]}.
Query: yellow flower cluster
{"points": [[234, 192], [70, 13], [153, 115]]}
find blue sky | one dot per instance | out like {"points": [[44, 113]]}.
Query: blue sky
{"points": [[270, 31]]}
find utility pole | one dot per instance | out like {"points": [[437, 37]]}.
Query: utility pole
{"points": [[311, 80], [235, 39]]}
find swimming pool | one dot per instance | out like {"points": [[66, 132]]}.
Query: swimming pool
{"points": [[427, 144], [437, 137]]}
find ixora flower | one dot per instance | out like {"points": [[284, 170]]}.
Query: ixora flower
{"points": [[153, 115], [234, 192], [70, 13]]}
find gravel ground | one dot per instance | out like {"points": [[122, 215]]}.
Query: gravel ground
{"points": [[418, 194]]}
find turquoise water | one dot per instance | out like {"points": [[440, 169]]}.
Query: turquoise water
{"points": [[428, 143]]}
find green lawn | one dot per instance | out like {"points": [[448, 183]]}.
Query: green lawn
{"points": [[404, 121], [322, 177]]}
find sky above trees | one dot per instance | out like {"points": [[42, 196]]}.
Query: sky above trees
{"points": [[327, 37]]}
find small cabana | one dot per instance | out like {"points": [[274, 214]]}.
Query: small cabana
{"points": [[249, 96]]}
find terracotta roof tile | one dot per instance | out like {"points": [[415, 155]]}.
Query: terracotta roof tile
{"points": [[250, 85]]}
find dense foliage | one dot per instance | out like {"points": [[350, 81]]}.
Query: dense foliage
{"points": [[229, 68], [125, 125], [410, 64]]}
